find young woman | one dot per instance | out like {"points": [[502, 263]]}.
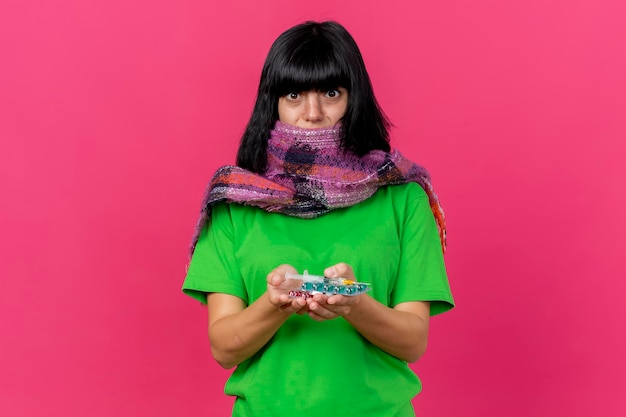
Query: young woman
{"points": [[317, 187]]}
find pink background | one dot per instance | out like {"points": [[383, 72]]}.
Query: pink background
{"points": [[114, 114]]}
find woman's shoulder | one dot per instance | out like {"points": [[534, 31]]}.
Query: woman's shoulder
{"points": [[410, 191]]}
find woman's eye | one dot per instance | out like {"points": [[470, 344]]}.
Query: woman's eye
{"points": [[293, 96], [332, 93]]}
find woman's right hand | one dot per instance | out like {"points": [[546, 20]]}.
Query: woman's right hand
{"points": [[238, 331], [278, 287]]}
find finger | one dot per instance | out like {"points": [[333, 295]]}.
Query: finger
{"points": [[277, 275], [341, 269], [303, 310], [321, 311], [321, 315], [315, 316], [274, 278], [319, 298], [342, 300], [336, 299], [280, 300], [316, 312], [295, 305]]}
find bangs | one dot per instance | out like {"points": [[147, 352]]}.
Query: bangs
{"points": [[311, 70]]}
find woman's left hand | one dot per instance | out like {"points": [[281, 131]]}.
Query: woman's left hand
{"points": [[323, 307], [401, 331]]}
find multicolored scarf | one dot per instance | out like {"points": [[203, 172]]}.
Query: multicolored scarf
{"points": [[309, 175]]}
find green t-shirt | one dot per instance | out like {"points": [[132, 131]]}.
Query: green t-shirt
{"points": [[325, 368]]}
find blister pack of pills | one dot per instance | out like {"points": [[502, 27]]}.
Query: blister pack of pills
{"points": [[315, 284]]}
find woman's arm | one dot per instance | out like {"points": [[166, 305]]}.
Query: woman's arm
{"points": [[401, 331], [238, 332]]}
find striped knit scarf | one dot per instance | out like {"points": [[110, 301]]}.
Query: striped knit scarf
{"points": [[309, 175]]}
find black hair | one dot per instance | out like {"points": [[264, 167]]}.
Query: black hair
{"points": [[315, 56]]}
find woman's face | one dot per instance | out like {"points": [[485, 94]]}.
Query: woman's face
{"points": [[313, 109]]}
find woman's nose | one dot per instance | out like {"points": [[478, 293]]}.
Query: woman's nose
{"points": [[313, 108]]}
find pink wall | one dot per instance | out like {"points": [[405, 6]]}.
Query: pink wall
{"points": [[113, 115]]}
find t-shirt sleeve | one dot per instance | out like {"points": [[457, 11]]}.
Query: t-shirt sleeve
{"points": [[422, 273], [213, 266]]}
